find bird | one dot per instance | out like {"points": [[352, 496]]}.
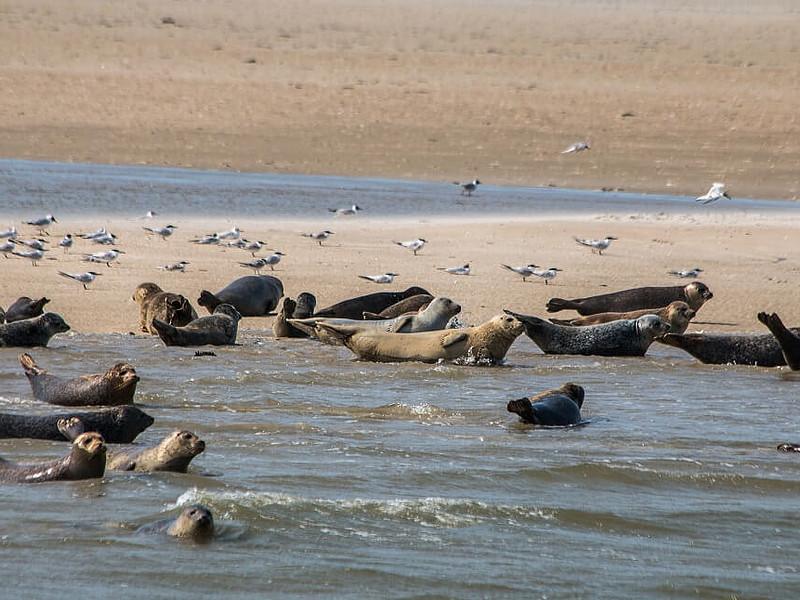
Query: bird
{"points": [[345, 212], [163, 232], [42, 223], [319, 236], [83, 278], [525, 271], [211, 238], [240, 243], [273, 259], [256, 265], [715, 192], [7, 247], [231, 234], [35, 244], [687, 272], [105, 238], [94, 234], [546, 273], [34, 255], [468, 188], [66, 242], [456, 270], [103, 257], [577, 147], [150, 214], [598, 245], [413, 245], [385, 278], [178, 266], [9, 233]]}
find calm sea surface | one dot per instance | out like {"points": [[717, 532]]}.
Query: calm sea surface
{"points": [[334, 478]]}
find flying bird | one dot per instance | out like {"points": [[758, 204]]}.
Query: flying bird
{"points": [[715, 192], [413, 245], [598, 245], [456, 270], [385, 278], [577, 147], [84, 278]]}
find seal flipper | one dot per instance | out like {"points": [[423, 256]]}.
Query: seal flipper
{"points": [[29, 365], [70, 428], [402, 322], [453, 338], [557, 304]]}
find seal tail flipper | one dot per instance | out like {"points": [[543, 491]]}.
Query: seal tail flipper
{"points": [[340, 332], [165, 330], [70, 428], [523, 408], [557, 304], [29, 365]]}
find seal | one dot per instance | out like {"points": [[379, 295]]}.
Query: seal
{"points": [[25, 308], [677, 314], [755, 349], [28, 333], [354, 308], [218, 329], [117, 425], [87, 460], [553, 408], [405, 306], [694, 294], [306, 303], [630, 337], [2, 315], [155, 303], [486, 343], [303, 308], [195, 522], [788, 340], [112, 388], [252, 295]]}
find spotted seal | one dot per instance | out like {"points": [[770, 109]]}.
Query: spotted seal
{"points": [[195, 522], [788, 340], [677, 314], [354, 308], [694, 294], [29, 333], [252, 295], [218, 329], [117, 425], [25, 308], [755, 349], [155, 303], [559, 407], [87, 460]]}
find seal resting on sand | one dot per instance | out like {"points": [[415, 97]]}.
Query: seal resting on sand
{"points": [[488, 342], [694, 294], [195, 522], [788, 340], [155, 303], [115, 386], [756, 349], [559, 407], [354, 308], [677, 314], [630, 337], [301, 309], [117, 425], [28, 333], [25, 308], [87, 460], [252, 295], [405, 306], [219, 329]]}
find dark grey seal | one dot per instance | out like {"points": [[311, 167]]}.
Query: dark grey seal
{"points": [[32, 332], [755, 349], [87, 460], [2, 315], [788, 340], [155, 303], [354, 308], [219, 329], [559, 407], [407, 305], [694, 294], [195, 522], [117, 425], [252, 295], [25, 308]]}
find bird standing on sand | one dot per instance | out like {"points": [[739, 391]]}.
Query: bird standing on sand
{"points": [[577, 147], [9, 233], [319, 236], [7, 247], [84, 278], [413, 245], [256, 265], [598, 245], [469, 187], [252, 247], [456, 270], [178, 266], [687, 273], [42, 223], [385, 278], [34, 255], [273, 259], [105, 238], [162, 232], [35, 244], [715, 192], [546, 273], [103, 257], [345, 212], [525, 271], [231, 234]]}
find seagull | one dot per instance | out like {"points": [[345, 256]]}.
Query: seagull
{"points": [[9, 233], [546, 273], [179, 266], [456, 270], [577, 147], [35, 244], [414, 245], [385, 278], [256, 265], [345, 212], [211, 238], [468, 188], [34, 255], [7, 247], [598, 245], [164, 232], [319, 236], [231, 234], [66, 242], [42, 222], [525, 271], [687, 272], [103, 257], [83, 278], [715, 192]]}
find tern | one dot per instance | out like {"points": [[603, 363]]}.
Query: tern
{"points": [[231, 234], [468, 188], [598, 245], [211, 238], [66, 242], [687, 272], [577, 147], [414, 245], [7, 247], [9, 233], [34, 255], [42, 223], [385, 278], [95, 234], [35, 244], [456, 270], [525, 271], [256, 265], [103, 257], [178, 266], [163, 232], [106, 238], [546, 273], [84, 278], [345, 212], [320, 236], [715, 192]]}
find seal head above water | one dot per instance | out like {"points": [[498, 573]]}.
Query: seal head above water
{"points": [[559, 407], [87, 460]]}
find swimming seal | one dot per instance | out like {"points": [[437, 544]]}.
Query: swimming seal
{"points": [[28, 333], [117, 425], [487, 343], [554, 408], [114, 387], [630, 337], [25, 308], [788, 340], [677, 314], [195, 522], [694, 294], [155, 303], [218, 329], [354, 308], [252, 295], [755, 349], [301, 309], [87, 460], [407, 305]]}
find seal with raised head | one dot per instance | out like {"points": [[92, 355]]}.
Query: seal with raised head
{"points": [[25, 308], [405, 306], [195, 522], [354, 308], [300, 309], [629, 337], [155, 303], [677, 314], [117, 425], [29, 333], [218, 329], [114, 387], [788, 340], [755, 349], [694, 294], [252, 295], [554, 408], [486, 343], [87, 460]]}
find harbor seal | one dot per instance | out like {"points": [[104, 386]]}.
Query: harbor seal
{"points": [[218, 329], [677, 314], [252, 295], [195, 522], [694, 294], [630, 337], [301, 309], [155, 303], [755, 349], [405, 306], [2, 315], [28, 333], [487, 343], [788, 340], [554, 408], [25, 308], [114, 387], [354, 308], [117, 425], [87, 460]]}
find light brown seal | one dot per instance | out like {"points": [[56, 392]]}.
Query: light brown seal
{"points": [[487, 343], [300, 309], [29, 333], [155, 303], [219, 329], [117, 425], [788, 340], [354, 308], [114, 387], [677, 314], [694, 294], [554, 408], [87, 460], [25, 308], [195, 522]]}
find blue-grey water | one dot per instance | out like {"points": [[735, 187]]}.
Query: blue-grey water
{"points": [[334, 478]]}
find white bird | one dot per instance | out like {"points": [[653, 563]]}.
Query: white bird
{"points": [[546, 273], [273, 259], [106, 238], [35, 244], [256, 265], [34, 255], [66, 242], [83, 278], [7, 247], [345, 212], [103, 257], [598, 245], [413, 245], [385, 278], [9, 233], [319, 236], [150, 214], [525, 271], [577, 147], [231, 234], [715, 192], [211, 238], [687, 272], [468, 188], [178, 266], [456, 270], [163, 232], [94, 234], [42, 222], [240, 243]]}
